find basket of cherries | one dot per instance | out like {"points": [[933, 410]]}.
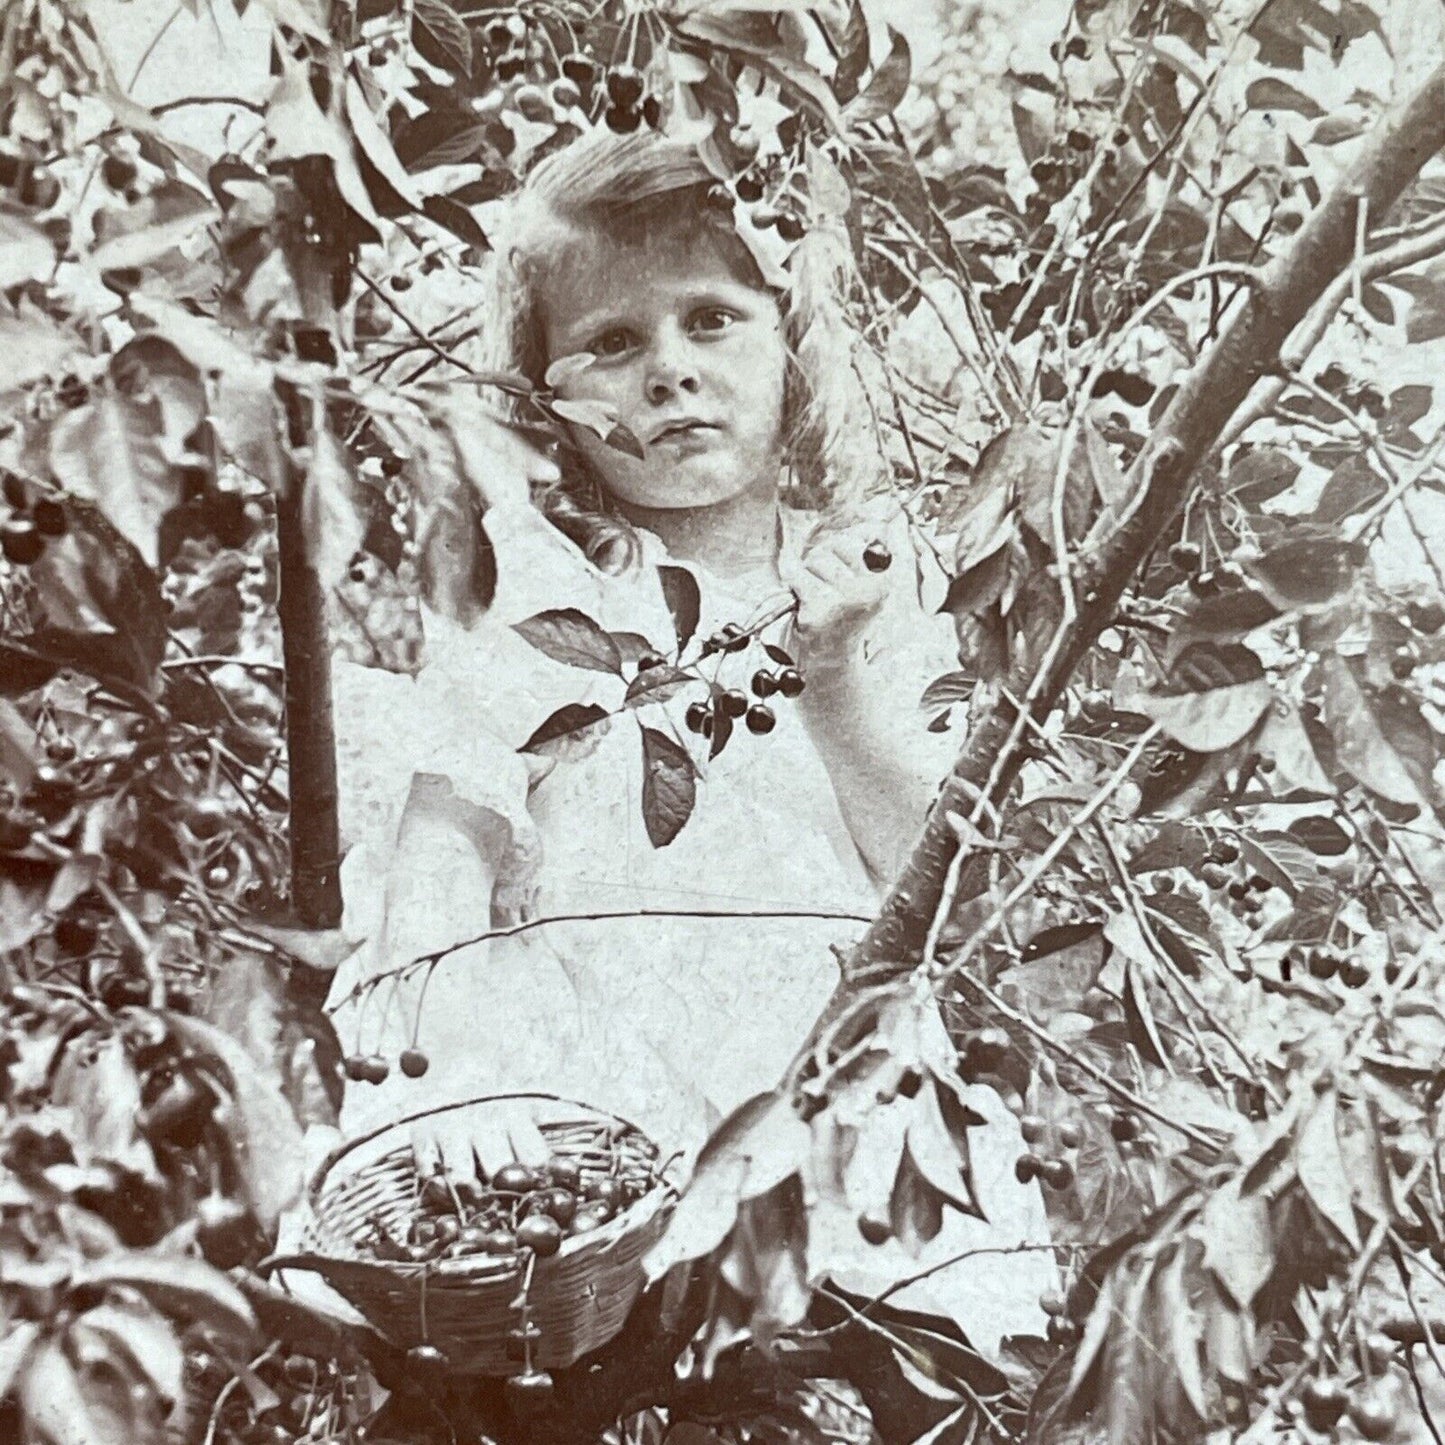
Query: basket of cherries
{"points": [[512, 1272]]}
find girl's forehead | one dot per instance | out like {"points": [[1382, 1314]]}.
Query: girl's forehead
{"points": [[601, 273]]}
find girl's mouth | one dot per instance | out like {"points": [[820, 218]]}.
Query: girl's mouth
{"points": [[682, 429]]}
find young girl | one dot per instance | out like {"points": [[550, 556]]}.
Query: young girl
{"points": [[744, 400]]}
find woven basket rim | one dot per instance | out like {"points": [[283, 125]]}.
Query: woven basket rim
{"points": [[336, 1155]]}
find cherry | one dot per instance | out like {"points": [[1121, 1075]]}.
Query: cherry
{"points": [[222, 1230], [500, 1241], [541, 1234], [510, 66], [1224, 850], [790, 682], [1237, 889], [987, 1048], [446, 1229], [14, 491], [426, 1357], [652, 111], [876, 556], [1324, 1402], [513, 1179], [118, 172], [1426, 617], [565, 1173], [561, 1204], [1323, 963], [49, 517], [565, 93], [435, 1194], [749, 189], [1371, 1416], [532, 101], [1353, 973], [1403, 661], [496, 34], [377, 1069], [1124, 1127], [606, 1191], [1057, 1173], [761, 719], [873, 1229], [1095, 707], [179, 1113], [733, 702], [1229, 575], [622, 120], [1032, 1127], [580, 70], [414, 1063], [529, 1390], [791, 229], [1214, 875], [1203, 584], [763, 683], [698, 718], [75, 935], [354, 1067], [1053, 1303], [1027, 1168], [1186, 556], [1070, 1135], [718, 199], [20, 541], [625, 85]]}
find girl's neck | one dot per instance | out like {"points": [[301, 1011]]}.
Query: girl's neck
{"points": [[738, 538]]}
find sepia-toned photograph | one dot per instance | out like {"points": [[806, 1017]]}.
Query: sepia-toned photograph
{"points": [[721, 722]]}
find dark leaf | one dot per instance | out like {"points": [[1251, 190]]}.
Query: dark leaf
{"points": [[22, 670], [1139, 1017], [458, 219], [1261, 473], [1321, 1169], [564, 724], [1180, 954], [782, 658], [979, 587], [1361, 744], [1173, 846], [1426, 318], [569, 636], [1279, 858], [915, 1207], [438, 33], [722, 730], [183, 1288], [853, 50], [1321, 835], [684, 602], [1226, 615], [657, 684], [889, 84], [1308, 573], [669, 786], [1352, 487], [1272, 93], [1207, 722], [622, 440]]}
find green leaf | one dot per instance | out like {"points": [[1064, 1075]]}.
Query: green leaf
{"points": [[571, 637], [1205, 722], [1181, 1330], [17, 749], [1139, 1018], [57, 1406], [1285, 739], [1306, 574], [889, 84], [935, 1151], [564, 726], [15, 1346], [684, 601], [182, 1288], [1278, 857], [441, 37], [146, 1338], [1361, 744], [1321, 1169], [25, 252], [1321, 835], [374, 144], [669, 786], [331, 518], [150, 229], [109, 451], [1238, 1243], [658, 684], [265, 1140], [1272, 93], [1426, 288]]}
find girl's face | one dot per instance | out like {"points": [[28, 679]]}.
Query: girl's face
{"points": [[691, 358]]}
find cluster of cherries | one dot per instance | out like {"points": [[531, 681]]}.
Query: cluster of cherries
{"points": [[520, 1209], [374, 1069], [1055, 1171], [32, 521], [1246, 890], [733, 702], [1188, 558], [1324, 963]]}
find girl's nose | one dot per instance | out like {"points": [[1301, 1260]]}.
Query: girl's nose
{"points": [[671, 370]]}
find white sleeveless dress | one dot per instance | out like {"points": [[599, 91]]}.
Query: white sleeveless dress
{"points": [[668, 1021]]}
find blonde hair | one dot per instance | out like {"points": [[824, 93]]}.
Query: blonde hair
{"points": [[631, 186]]}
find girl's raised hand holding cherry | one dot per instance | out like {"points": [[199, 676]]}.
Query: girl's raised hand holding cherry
{"points": [[840, 588]]}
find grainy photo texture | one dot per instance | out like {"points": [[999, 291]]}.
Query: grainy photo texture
{"points": [[720, 722]]}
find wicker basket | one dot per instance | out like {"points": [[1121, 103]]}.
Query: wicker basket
{"points": [[471, 1307]]}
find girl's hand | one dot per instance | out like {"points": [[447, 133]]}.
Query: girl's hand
{"points": [[839, 594]]}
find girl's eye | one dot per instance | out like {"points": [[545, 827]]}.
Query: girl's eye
{"points": [[713, 318], [610, 343]]}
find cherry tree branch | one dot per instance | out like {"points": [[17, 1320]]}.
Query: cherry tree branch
{"points": [[1287, 290]]}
